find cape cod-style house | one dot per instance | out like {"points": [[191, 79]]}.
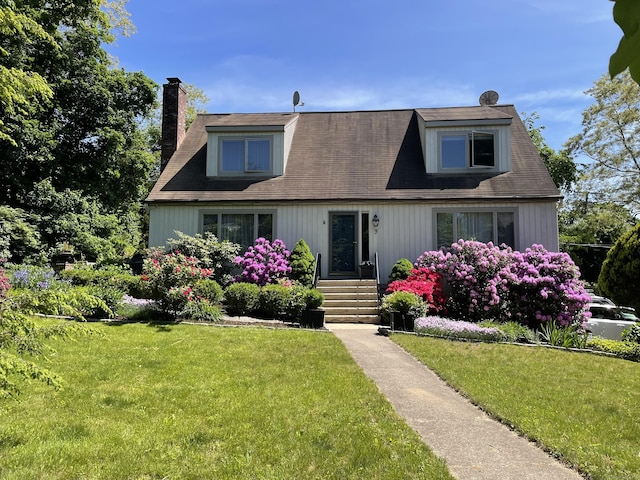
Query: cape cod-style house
{"points": [[356, 186]]}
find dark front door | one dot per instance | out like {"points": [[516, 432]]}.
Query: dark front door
{"points": [[343, 243]]}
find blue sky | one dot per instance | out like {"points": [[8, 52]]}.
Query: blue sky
{"points": [[251, 55]]}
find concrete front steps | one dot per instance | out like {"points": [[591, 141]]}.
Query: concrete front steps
{"points": [[350, 301]]}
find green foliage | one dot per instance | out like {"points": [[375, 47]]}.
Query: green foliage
{"points": [[113, 276], [626, 13], [625, 350], [404, 303], [241, 298], [400, 270], [313, 298], [620, 275], [560, 165], [209, 290], [570, 336], [302, 263], [19, 238], [273, 300], [170, 278], [202, 311], [211, 253], [632, 334], [610, 138], [77, 303]]}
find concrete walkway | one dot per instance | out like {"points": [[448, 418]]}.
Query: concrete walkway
{"points": [[473, 445]]}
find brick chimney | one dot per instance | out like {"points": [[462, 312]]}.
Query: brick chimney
{"points": [[174, 105]]}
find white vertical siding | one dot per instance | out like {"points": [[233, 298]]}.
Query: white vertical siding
{"points": [[405, 230]]}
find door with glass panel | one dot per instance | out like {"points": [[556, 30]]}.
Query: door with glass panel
{"points": [[343, 243]]}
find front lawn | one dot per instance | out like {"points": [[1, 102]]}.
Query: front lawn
{"points": [[194, 402], [581, 406]]}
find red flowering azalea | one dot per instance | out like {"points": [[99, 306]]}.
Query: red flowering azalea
{"points": [[425, 283]]}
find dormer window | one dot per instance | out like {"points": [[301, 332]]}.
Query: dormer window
{"points": [[461, 150], [240, 155]]}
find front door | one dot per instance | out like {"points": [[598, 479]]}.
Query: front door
{"points": [[343, 243]]}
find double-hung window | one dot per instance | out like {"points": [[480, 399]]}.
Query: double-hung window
{"points": [[239, 227], [461, 150], [245, 155], [496, 226]]}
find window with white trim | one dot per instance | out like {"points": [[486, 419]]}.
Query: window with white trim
{"points": [[496, 226], [472, 149], [240, 155], [239, 227]]}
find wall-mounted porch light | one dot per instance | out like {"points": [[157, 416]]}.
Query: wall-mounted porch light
{"points": [[375, 221]]}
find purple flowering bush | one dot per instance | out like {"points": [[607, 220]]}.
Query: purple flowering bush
{"points": [[485, 282], [263, 263]]}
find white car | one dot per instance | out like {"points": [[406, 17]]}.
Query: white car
{"points": [[607, 321]]}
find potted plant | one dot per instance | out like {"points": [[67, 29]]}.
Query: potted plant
{"points": [[366, 269], [402, 308], [313, 315]]}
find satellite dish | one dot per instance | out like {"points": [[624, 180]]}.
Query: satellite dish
{"points": [[296, 99], [490, 97]]}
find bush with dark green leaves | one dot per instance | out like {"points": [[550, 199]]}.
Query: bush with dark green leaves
{"points": [[632, 334], [401, 270], [209, 290], [620, 275], [241, 298], [212, 253], [302, 263], [273, 300], [115, 276]]}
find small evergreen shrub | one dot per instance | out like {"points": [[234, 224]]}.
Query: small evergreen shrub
{"points": [[302, 263], [273, 300], [404, 303], [400, 270], [296, 303], [209, 290], [313, 298], [241, 298]]}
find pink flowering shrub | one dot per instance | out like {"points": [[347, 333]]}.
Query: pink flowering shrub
{"points": [[263, 263], [424, 283], [169, 277], [484, 282], [473, 275], [4, 284]]}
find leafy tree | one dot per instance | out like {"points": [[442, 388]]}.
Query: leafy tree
{"points": [[626, 13], [19, 237], [560, 165], [620, 276], [610, 138], [86, 136]]}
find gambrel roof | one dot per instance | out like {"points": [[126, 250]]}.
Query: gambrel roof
{"points": [[355, 156]]}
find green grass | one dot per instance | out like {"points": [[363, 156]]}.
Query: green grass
{"points": [[194, 402], [582, 407]]}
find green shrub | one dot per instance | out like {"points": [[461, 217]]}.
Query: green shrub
{"points": [[209, 290], [115, 276], [404, 303], [313, 298], [110, 295], [632, 334], [211, 253], [202, 311], [401, 270], [302, 263], [620, 274], [625, 350], [76, 302], [241, 298], [296, 303], [273, 300]]}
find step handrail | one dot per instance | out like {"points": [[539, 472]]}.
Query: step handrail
{"points": [[317, 270]]}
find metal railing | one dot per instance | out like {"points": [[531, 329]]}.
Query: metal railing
{"points": [[317, 270]]}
